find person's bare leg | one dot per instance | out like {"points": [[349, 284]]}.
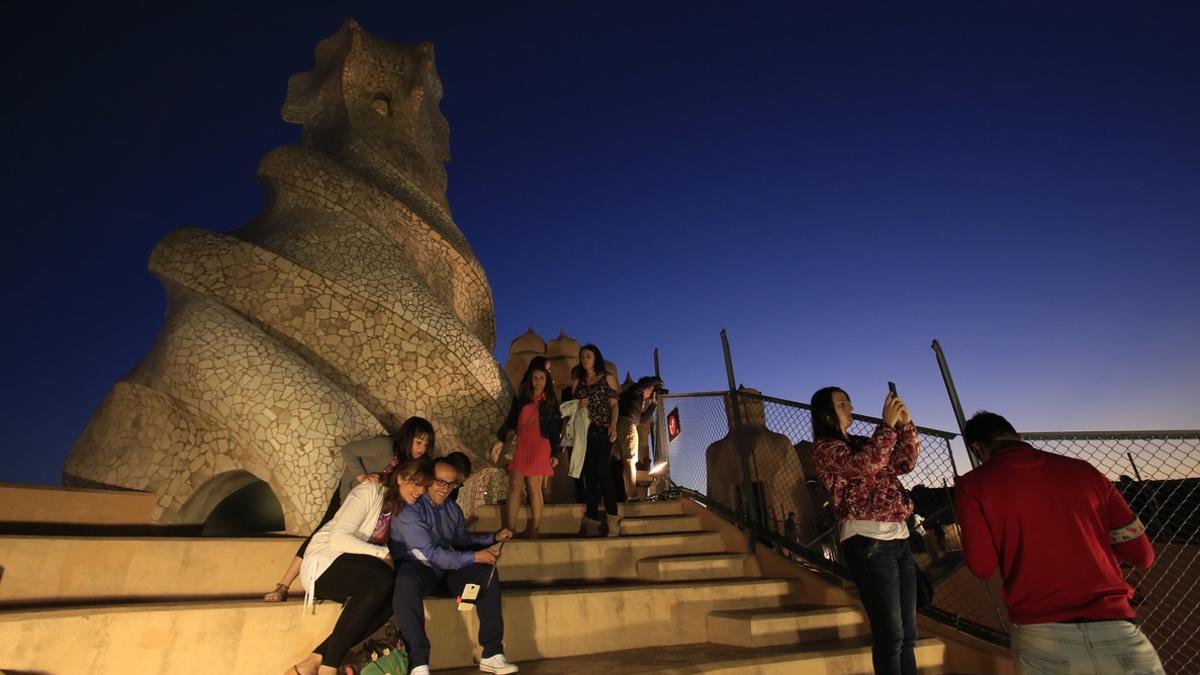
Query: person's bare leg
{"points": [[516, 485], [280, 592], [536, 504], [292, 572], [309, 666], [630, 475]]}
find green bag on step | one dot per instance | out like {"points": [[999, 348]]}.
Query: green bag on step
{"points": [[380, 658]]}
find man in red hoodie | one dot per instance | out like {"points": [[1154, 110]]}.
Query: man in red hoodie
{"points": [[1058, 531]]}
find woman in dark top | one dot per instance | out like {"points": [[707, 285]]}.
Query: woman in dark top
{"points": [[535, 419], [597, 390], [636, 407]]}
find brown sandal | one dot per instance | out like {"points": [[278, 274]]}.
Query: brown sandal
{"points": [[280, 594]]}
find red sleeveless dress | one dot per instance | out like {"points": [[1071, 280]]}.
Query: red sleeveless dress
{"points": [[532, 454]]}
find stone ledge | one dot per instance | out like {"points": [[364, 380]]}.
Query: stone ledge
{"points": [[540, 623], [842, 657], [74, 506], [48, 569]]}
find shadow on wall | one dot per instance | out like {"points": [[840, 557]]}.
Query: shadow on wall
{"points": [[232, 504], [252, 509]]}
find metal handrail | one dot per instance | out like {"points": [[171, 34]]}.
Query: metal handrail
{"points": [[1110, 435], [948, 435], [825, 566]]}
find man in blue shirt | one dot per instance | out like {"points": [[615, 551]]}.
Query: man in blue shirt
{"points": [[435, 553]]}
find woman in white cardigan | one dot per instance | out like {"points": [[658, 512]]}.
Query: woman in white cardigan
{"points": [[348, 561]]}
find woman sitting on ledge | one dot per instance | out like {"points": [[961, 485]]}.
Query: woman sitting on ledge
{"points": [[348, 561], [364, 460]]}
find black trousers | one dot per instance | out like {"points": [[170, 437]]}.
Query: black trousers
{"points": [[364, 584], [598, 475], [414, 581], [618, 472]]}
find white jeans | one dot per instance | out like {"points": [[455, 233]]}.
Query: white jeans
{"points": [[1098, 648]]}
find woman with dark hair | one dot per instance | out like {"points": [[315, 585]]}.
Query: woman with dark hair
{"points": [[363, 461], [872, 509], [349, 562], [535, 419], [597, 389]]}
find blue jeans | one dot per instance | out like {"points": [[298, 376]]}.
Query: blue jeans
{"points": [[414, 581], [886, 575], [1096, 648]]}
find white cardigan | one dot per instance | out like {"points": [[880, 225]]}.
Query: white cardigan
{"points": [[575, 434], [348, 532]]}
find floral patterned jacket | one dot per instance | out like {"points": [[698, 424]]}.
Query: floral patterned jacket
{"points": [[862, 482]]}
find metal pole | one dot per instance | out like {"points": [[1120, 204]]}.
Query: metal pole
{"points": [[1134, 465], [954, 403], [661, 441], [749, 504]]}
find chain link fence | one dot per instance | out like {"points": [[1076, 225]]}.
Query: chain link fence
{"points": [[762, 475], [1158, 473]]}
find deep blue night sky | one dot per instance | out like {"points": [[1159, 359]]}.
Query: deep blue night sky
{"points": [[836, 184]]}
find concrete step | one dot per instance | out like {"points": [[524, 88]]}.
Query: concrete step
{"points": [[598, 558], [45, 570], [566, 518], [841, 657], [254, 637], [771, 626], [29, 504], [53, 569], [697, 566], [632, 526]]}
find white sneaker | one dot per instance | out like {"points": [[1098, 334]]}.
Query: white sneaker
{"points": [[494, 664], [419, 670]]}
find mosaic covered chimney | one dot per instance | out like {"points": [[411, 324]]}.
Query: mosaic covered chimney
{"points": [[350, 303]]}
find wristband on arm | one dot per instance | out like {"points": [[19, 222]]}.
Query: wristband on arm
{"points": [[1127, 533]]}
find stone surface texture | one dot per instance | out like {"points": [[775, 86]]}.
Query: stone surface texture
{"points": [[352, 302], [776, 465]]}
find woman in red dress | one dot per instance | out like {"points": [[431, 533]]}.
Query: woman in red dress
{"points": [[535, 418]]}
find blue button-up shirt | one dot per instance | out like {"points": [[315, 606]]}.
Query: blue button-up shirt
{"points": [[435, 536]]}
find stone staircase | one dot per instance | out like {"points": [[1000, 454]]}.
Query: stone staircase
{"points": [[672, 594]]}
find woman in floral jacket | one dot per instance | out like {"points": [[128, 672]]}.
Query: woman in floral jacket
{"points": [[872, 509]]}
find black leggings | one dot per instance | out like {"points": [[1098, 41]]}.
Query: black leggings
{"points": [[364, 584], [598, 474]]}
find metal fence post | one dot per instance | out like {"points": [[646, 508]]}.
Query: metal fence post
{"points": [[749, 503], [661, 442], [954, 403]]}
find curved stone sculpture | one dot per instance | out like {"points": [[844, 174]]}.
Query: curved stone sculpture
{"points": [[350, 303], [777, 468]]}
